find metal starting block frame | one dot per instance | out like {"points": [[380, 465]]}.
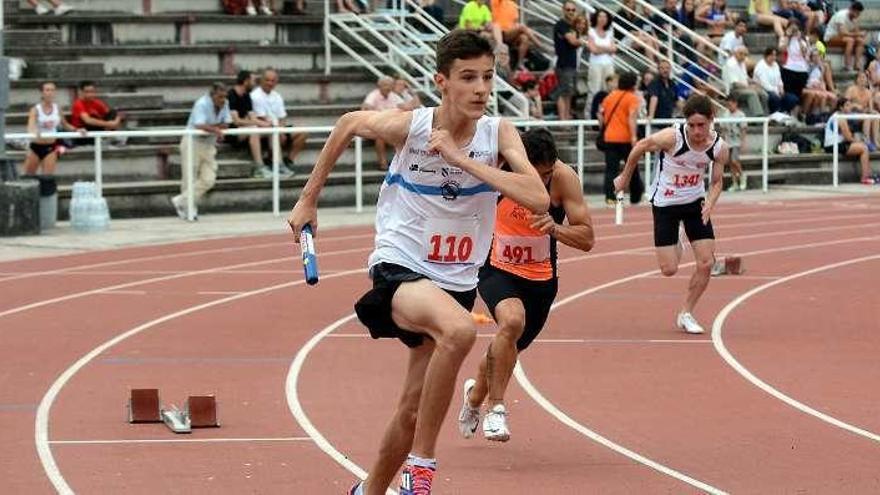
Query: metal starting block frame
{"points": [[176, 420], [728, 265]]}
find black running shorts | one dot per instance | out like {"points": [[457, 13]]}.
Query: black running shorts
{"points": [[668, 218], [536, 296], [374, 307]]}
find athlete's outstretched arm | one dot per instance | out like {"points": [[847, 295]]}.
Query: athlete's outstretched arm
{"points": [[522, 185], [390, 126], [578, 233], [716, 182], [662, 140]]}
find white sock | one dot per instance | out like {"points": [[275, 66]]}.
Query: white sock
{"points": [[414, 460]]}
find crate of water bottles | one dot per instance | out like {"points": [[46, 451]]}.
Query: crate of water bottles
{"points": [[88, 210]]}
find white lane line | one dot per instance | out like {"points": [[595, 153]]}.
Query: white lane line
{"points": [[174, 255], [521, 377], [179, 440], [291, 390], [718, 341], [41, 423]]}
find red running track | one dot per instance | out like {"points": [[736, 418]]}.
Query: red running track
{"points": [[780, 398]]}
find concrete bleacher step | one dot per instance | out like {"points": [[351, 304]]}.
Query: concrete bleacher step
{"points": [[31, 37], [134, 101], [141, 7], [63, 69]]}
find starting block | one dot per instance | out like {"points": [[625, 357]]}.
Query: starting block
{"points": [[202, 411], [728, 265], [143, 406]]}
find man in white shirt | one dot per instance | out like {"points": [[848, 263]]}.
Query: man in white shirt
{"points": [[380, 99], [734, 39], [843, 30], [737, 82], [769, 77], [269, 107]]}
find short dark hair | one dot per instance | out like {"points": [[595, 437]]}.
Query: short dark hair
{"points": [[243, 75], [218, 87], [741, 21], [540, 147], [857, 6], [627, 81], [460, 44], [700, 104], [85, 84], [769, 50], [840, 103]]}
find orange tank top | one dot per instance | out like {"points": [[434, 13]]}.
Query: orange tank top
{"points": [[519, 249]]}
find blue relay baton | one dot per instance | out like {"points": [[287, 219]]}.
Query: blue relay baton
{"points": [[309, 257]]}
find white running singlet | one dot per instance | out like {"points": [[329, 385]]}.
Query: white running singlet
{"points": [[679, 174], [433, 218], [48, 122]]}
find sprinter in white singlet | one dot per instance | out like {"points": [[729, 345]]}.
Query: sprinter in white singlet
{"points": [[434, 225], [685, 154]]}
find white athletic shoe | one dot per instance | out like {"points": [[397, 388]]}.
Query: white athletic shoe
{"points": [[468, 417], [265, 10], [495, 424], [250, 10], [688, 323], [41, 9], [62, 9]]}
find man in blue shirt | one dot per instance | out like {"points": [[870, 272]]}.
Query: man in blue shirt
{"points": [[210, 113]]}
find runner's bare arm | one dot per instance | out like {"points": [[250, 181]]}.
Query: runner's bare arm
{"points": [[391, 126], [716, 181], [578, 233], [662, 140], [522, 185]]}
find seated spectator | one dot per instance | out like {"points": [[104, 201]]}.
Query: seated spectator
{"points": [[790, 10], [269, 107], [687, 17], [252, 7], [737, 82], [210, 113], [769, 77], [410, 98], [502, 62], [352, 6], [874, 72], [433, 10], [241, 110], [847, 145], [670, 8], [57, 7], [861, 97], [715, 16], [45, 117], [505, 15], [760, 13], [816, 100], [735, 136], [645, 43], [380, 99], [91, 113], [697, 76], [475, 16], [733, 39], [536, 104], [843, 30]]}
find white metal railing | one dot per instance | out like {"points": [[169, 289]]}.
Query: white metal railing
{"points": [[579, 125]]}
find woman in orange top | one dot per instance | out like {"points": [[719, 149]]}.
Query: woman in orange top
{"points": [[519, 281], [505, 16], [619, 112]]}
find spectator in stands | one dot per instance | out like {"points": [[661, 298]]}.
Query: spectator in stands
{"points": [[769, 78], [644, 42], [619, 114], [57, 7], [861, 97], [737, 82], [609, 86], [602, 50], [874, 71], [661, 95], [670, 9], [734, 39], [475, 16], [791, 11], [210, 113], [241, 110], [380, 99], [45, 117], [536, 104], [269, 107], [715, 16], [566, 43], [817, 99], [265, 7], [760, 13], [502, 62], [847, 145], [697, 76], [433, 10], [348, 6], [796, 70], [843, 30], [92, 114], [735, 136], [687, 17], [505, 14], [410, 98]]}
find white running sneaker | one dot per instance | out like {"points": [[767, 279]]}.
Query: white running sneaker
{"points": [[468, 417], [495, 424], [62, 9], [250, 10], [265, 10], [688, 323], [41, 9]]}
